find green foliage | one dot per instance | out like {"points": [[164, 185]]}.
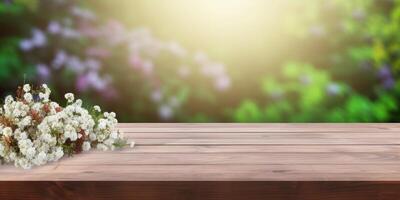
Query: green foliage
{"points": [[314, 99], [249, 111], [299, 95], [364, 55], [10, 62]]}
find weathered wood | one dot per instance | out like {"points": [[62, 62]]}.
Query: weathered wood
{"points": [[300, 172], [272, 141], [282, 153], [92, 159]]}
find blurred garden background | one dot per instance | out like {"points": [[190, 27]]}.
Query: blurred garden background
{"points": [[210, 60]]}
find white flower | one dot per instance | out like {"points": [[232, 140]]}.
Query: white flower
{"points": [[59, 153], [92, 137], [24, 163], [42, 129], [132, 144], [1, 150], [86, 146], [102, 147], [121, 134], [7, 132], [102, 124], [70, 97], [44, 97], [78, 102], [25, 122], [97, 108], [28, 97], [9, 99], [114, 135], [30, 152], [27, 88], [41, 158]]}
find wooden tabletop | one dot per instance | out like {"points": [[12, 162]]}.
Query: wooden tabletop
{"points": [[235, 152]]}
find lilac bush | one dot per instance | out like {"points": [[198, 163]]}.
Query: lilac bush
{"points": [[101, 57]]}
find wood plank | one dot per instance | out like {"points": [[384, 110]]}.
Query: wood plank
{"points": [[272, 141], [229, 159], [259, 135], [236, 152], [230, 127], [253, 176], [259, 149], [55, 169], [206, 172]]}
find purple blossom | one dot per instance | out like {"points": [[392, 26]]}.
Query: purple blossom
{"points": [[97, 82], [60, 59], [82, 83], [165, 112], [54, 27], [75, 64], [386, 76], [43, 71], [38, 38], [223, 83], [26, 45], [389, 83], [333, 89], [93, 80], [385, 72]]}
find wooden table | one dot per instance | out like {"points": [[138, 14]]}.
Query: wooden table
{"points": [[225, 161]]}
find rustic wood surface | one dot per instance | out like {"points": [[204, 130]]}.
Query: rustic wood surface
{"points": [[235, 152]]}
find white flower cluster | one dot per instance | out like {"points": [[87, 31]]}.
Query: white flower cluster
{"points": [[35, 130]]}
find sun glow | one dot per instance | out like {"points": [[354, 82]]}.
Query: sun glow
{"points": [[226, 29]]}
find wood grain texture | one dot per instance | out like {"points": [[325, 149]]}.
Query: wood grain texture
{"points": [[235, 152], [225, 161]]}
